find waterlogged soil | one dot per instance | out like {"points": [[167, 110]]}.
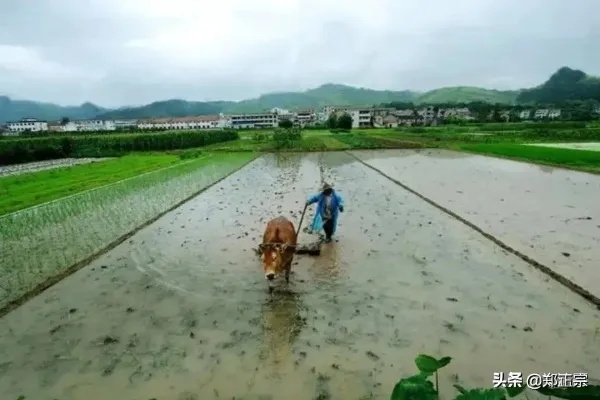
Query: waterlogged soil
{"points": [[547, 213], [182, 310], [36, 166]]}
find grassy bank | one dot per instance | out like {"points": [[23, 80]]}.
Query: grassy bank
{"points": [[71, 229], [22, 191]]}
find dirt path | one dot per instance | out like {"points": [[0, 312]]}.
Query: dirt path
{"points": [[182, 311], [549, 214]]}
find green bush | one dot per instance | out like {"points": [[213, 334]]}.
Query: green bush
{"points": [[338, 130], [16, 151], [419, 387], [286, 138], [260, 137]]}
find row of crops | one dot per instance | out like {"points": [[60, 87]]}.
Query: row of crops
{"points": [[14, 151]]}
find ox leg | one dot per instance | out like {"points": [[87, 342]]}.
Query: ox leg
{"points": [[288, 268]]}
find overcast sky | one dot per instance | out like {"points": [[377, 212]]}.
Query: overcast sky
{"points": [[118, 52]]}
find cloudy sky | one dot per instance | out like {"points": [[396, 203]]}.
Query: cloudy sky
{"points": [[118, 52]]}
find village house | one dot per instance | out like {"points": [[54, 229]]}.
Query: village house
{"points": [[554, 113], [88, 126], [525, 114], [27, 125], [202, 122]]}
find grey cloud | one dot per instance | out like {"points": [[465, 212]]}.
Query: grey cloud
{"points": [[135, 51]]}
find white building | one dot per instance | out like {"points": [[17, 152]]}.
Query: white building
{"points": [[541, 113], [361, 116], [306, 117], [27, 125], [126, 123], [258, 120], [202, 122], [93, 125], [555, 113], [525, 114]]}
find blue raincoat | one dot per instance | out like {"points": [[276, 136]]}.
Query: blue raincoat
{"points": [[336, 202]]}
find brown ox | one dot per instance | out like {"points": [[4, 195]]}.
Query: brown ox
{"points": [[278, 247]]}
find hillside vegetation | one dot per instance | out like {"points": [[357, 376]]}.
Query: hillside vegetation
{"points": [[467, 94], [564, 85]]}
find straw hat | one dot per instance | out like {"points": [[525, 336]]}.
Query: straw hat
{"points": [[326, 186]]}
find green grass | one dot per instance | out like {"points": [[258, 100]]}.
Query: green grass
{"points": [[26, 190], [584, 160]]}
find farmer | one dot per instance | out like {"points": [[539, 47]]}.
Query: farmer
{"points": [[329, 202]]}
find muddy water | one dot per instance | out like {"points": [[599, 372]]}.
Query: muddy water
{"points": [[182, 310], [550, 214]]}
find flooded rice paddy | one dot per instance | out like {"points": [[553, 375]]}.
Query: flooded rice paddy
{"points": [[182, 311], [547, 213]]}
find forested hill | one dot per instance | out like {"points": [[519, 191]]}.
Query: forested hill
{"points": [[564, 85]]}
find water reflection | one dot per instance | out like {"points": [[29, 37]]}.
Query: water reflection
{"points": [[326, 267], [282, 323], [287, 160]]}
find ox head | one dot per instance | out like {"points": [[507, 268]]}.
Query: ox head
{"points": [[274, 258]]}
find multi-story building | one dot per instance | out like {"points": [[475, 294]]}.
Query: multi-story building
{"points": [[554, 113], [460, 113], [125, 123], [27, 125], [306, 117], [93, 125], [257, 120], [525, 114], [201, 122]]}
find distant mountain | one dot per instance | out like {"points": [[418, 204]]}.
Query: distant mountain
{"points": [[12, 110], [167, 108], [328, 94], [465, 94], [565, 84]]}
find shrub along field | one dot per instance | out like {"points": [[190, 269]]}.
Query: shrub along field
{"points": [[16, 151]]}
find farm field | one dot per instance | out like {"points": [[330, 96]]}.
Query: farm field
{"points": [[577, 146], [22, 191], [67, 231], [181, 310], [547, 213]]}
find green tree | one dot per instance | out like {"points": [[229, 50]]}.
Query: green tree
{"points": [[286, 123], [332, 121], [344, 121]]}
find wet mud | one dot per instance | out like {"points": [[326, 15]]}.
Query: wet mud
{"points": [[182, 310], [550, 214]]}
